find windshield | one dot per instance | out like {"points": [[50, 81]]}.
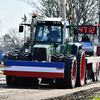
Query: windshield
{"points": [[48, 33]]}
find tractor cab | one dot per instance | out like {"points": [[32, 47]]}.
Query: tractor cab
{"points": [[51, 29], [48, 33], [50, 37]]}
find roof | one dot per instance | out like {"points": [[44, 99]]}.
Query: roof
{"points": [[52, 19]]}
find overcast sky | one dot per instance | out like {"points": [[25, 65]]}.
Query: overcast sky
{"points": [[11, 12]]}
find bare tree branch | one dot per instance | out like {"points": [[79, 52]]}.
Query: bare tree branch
{"points": [[81, 10]]}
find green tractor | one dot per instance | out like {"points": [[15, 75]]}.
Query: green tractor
{"points": [[51, 56], [52, 45]]}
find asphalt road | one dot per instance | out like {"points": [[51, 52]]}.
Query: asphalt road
{"points": [[42, 91]]}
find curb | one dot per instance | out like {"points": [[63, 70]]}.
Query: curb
{"points": [[2, 79]]}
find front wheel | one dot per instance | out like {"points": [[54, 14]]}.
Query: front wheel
{"points": [[70, 71], [56, 58]]}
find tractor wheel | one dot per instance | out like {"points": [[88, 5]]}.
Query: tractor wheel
{"points": [[54, 57], [12, 56], [25, 56], [70, 71], [11, 80], [9, 56], [57, 58], [80, 80], [27, 81], [15, 56]]}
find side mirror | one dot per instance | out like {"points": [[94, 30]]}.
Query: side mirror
{"points": [[20, 28], [75, 31], [56, 45]]}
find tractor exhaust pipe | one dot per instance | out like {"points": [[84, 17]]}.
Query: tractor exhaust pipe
{"points": [[63, 10], [32, 34]]}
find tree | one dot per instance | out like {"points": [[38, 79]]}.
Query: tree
{"points": [[83, 11], [7, 42], [11, 40], [15, 37], [50, 8], [45, 8]]}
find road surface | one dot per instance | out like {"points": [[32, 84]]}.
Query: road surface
{"points": [[44, 91]]}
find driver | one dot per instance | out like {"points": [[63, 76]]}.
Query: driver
{"points": [[85, 38], [53, 35]]}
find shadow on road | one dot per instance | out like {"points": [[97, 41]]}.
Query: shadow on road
{"points": [[39, 87]]}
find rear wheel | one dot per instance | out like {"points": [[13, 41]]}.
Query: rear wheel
{"points": [[80, 80], [26, 81], [12, 56], [9, 56], [11, 80], [70, 71], [15, 56]]}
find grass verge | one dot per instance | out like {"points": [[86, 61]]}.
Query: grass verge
{"points": [[97, 97], [1, 72]]}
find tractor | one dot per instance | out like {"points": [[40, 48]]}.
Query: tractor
{"points": [[50, 55]]}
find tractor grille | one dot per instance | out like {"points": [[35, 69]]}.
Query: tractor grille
{"points": [[39, 54]]}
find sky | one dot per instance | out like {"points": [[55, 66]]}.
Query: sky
{"points": [[11, 12]]}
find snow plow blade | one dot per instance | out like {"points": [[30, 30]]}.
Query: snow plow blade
{"points": [[34, 69]]}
